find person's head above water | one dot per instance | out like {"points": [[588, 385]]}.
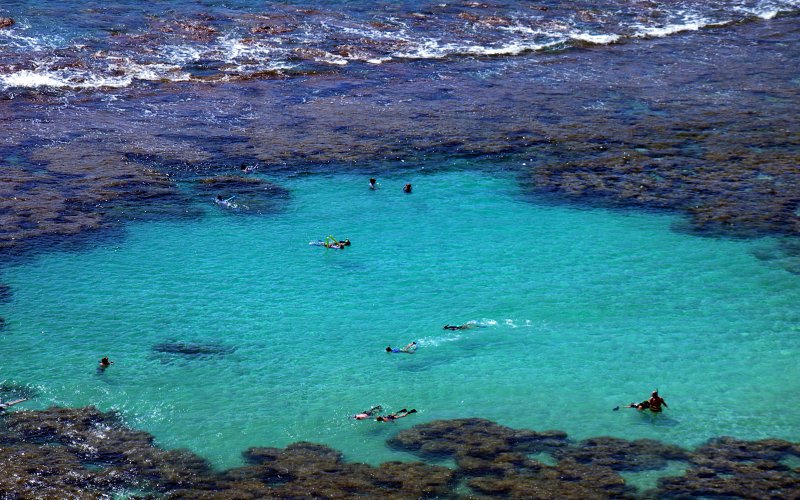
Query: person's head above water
{"points": [[388, 348], [346, 242], [407, 188]]}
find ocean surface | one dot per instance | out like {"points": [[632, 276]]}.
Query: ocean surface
{"points": [[578, 310], [228, 330]]}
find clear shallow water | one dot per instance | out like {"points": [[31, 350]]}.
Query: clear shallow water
{"points": [[586, 310]]}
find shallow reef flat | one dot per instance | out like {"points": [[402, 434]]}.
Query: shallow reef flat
{"points": [[86, 453]]}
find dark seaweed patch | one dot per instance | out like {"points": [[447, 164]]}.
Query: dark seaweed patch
{"points": [[192, 350], [5, 293]]}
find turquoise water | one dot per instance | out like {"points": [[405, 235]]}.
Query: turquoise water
{"points": [[585, 309]]}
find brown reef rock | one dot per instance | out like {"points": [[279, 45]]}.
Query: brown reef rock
{"points": [[85, 453]]}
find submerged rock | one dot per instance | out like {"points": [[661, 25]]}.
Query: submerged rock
{"points": [[78, 188], [86, 453], [475, 437], [622, 455], [733, 468], [194, 350]]}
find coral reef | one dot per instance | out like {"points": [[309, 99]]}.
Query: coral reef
{"points": [[732, 468], [77, 189], [85, 453]]}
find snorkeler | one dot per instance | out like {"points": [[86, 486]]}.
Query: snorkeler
{"points": [[394, 416], [5, 406], [407, 188], [465, 326], [653, 404], [408, 349], [373, 184], [227, 203], [331, 242], [368, 413]]}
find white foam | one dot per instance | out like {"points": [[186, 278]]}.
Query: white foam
{"points": [[670, 29], [595, 39], [432, 49], [125, 71], [30, 79]]}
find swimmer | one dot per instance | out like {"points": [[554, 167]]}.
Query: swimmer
{"points": [[394, 416], [408, 349], [407, 188], [331, 242], [226, 203], [5, 406], [368, 413], [653, 404], [465, 326], [247, 170], [104, 363], [373, 184]]}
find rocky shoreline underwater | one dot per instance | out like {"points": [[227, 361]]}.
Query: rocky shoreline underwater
{"points": [[86, 453]]}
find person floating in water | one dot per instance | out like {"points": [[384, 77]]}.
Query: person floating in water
{"points": [[5, 406], [247, 169], [331, 242], [104, 363], [407, 188], [368, 413], [373, 183], [653, 404], [465, 326], [227, 203], [394, 416], [408, 349]]}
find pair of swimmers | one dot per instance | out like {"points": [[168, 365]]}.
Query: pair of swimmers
{"points": [[408, 349], [373, 184], [383, 418]]}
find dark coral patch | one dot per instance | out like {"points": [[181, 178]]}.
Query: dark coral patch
{"points": [[193, 350]]}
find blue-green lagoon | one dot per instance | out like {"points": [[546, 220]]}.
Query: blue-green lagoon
{"points": [[580, 310]]}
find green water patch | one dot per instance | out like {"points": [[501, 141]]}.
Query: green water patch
{"points": [[543, 457], [228, 332], [648, 479]]}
